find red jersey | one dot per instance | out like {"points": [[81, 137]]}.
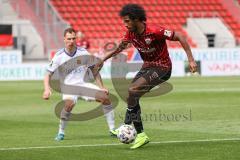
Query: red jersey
{"points": [[152, 46]]}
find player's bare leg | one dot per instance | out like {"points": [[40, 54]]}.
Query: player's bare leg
{"points": [[103, 98], [133, 114], [65, 115]]}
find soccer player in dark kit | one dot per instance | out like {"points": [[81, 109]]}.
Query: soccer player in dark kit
{"points": [[150, 41]]}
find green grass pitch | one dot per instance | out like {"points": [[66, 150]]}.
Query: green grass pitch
{"points": [[198, 120]]}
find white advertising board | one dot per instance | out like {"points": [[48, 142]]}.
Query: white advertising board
{"points": [[220, 68], [22, 71], [10, 57]]}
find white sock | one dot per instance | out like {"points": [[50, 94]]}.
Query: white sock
{"points": [[109, 114], [62, 126]]}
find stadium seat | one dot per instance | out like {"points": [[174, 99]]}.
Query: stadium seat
{"points": [[102, 16]]}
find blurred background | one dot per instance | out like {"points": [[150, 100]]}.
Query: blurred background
{"points": [[31, 31]]}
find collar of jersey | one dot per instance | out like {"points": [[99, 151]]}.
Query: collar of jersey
{"points": [[70, 55]]}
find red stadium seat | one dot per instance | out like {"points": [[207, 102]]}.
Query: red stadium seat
{"points": [[99, 19]]}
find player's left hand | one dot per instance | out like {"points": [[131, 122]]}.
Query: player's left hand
{"points": [[193, 66]]}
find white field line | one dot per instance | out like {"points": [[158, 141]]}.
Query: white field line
{"points": [[206, 90], [116, 144]]}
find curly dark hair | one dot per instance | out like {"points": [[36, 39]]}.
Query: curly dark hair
{"points": [[134, 11]]}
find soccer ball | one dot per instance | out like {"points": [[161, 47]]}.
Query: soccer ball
{"points": [[126, 134]]}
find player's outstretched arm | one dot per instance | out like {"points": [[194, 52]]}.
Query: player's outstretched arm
{"points": [[99, 81], [47, 89], [192, 64], [119, 49]]}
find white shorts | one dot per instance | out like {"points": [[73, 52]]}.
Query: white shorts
{"points": [[75, 97]]}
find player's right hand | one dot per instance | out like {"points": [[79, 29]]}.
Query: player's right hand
{"points": [[193, 66], [105, 90], [46, 94]]}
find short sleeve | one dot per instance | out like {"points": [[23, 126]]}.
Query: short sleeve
{"points": [[163, 33], [53, 65]]}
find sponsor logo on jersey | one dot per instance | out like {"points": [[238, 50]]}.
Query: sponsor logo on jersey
{"points": [[148, 40], [78, 61], [146, 50], [167, 33]]}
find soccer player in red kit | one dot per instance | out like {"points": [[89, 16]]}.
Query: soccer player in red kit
{"points": [[150, 41], [81, 40]]}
